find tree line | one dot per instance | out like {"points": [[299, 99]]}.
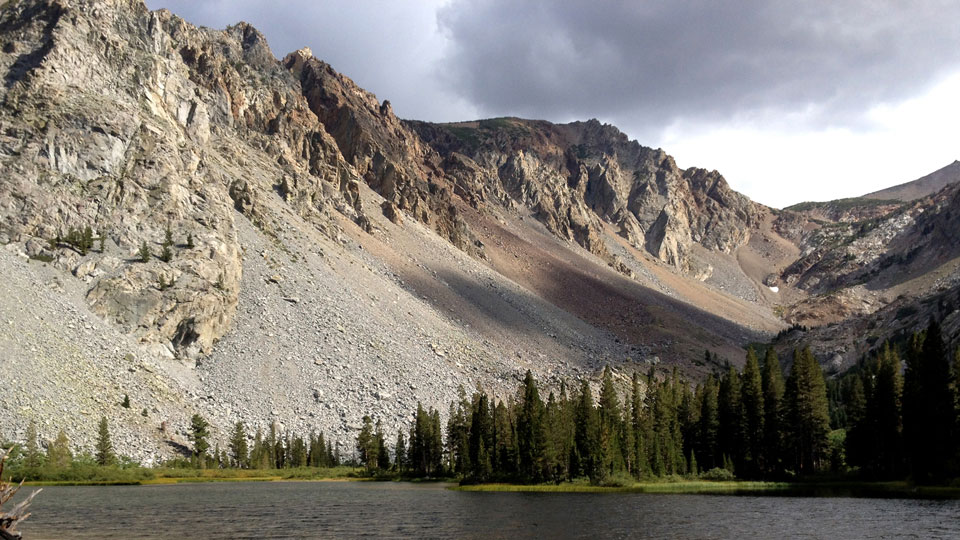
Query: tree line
{"points": [[754, 423], [269, 451], [894, 415], [900, 411]]}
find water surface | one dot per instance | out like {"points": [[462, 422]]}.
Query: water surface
{"points": [[403, 510]]}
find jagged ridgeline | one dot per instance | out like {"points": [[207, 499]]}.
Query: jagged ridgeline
{"points": [[202, 227], [135, 123]]}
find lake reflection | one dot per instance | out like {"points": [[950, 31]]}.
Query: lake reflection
{"points": [[403, 510]]}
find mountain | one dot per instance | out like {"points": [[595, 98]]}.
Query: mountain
{"points": [[190, 221], [921, 187]]}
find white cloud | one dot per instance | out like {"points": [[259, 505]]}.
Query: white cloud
{"points": [[778, 166]]}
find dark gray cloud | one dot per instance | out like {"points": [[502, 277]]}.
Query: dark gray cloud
{"points": [[650, 63]]}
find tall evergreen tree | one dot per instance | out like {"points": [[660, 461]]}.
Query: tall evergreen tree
{"points": [[105, 455], [929, 414], [199, 431], [383, 456], [773, 426], [640, 465], [400, 453], [59, 455], [531, 435], [259, 456], [807, 416], [505, 441], [274, 458], [367, 447], [238, 446], [458, 433], [730, 416], [708, 456], [608, 414], [884, 407], [751, 398], [481, 437], [586, 457], [33, 458]]}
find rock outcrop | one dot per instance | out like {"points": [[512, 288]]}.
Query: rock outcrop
{"points": [[577, 176], [137, 124]]}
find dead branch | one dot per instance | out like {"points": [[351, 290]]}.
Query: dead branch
{"points": [[9, 520]]}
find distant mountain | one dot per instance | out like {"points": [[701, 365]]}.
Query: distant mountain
{"points": [[188, 221], [921, 187]]}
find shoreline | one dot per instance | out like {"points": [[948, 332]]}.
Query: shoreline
{"points": [[826, 489]]}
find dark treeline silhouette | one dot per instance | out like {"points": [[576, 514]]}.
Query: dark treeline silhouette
{"points": [[658, 427], [900, 411], [754, 424]]}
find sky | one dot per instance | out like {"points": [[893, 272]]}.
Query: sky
{"points": [[790, 101]]}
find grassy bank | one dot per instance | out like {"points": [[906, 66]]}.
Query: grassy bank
{"points": [[691, 486], [105, 476], [700, 487]]}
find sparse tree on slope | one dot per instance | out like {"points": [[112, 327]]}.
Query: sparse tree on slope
{"points": [[105, 455], [199, 432], [238, 446]]}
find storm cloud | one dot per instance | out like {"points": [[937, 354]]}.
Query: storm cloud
{"points": [[790, 100], [651, 63]]}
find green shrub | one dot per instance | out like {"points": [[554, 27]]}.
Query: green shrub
{"points": [[717, 474], [144, 252]]}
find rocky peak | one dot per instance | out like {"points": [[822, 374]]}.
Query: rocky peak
{"points": [[134, 123], [386, 154], [576, 176]]}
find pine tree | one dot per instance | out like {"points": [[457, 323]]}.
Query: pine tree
{"points": [[730, 416], [751, 392], [861, 432], [144, 252], [929, 408], [689, 418], [807, 416], [587, 458], [199, 430], [641, 465], [504, 458], [87, 240], [366, 445], [383, 456], [531, 436], [238, 446], [259, 456], [33, 457], [298, 452], [480, 438], [59, 455], [709, 426], [884, 407], [105, 455], [435, 442], [608, 413], [425, 452], [400, 453], [458, 433], [773, 389], [274, 459]]}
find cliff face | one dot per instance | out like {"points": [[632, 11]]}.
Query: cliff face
{"points": [[134, 124], [578, 176]]}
